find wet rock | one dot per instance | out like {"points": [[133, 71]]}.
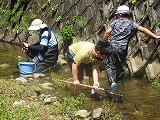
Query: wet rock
{"points": [[32, 103], [97, 113], [47, 86], [4, 66], [42, 96], [82, 114], [28, 76], [19, 103], [38, 75], [50, 100], [62, 62], [21, 81], [37, 90]]}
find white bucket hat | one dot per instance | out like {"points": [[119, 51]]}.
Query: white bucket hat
{"points": [[122, 9], [37, 24]]}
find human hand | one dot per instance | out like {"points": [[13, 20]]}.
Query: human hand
{"points": [[25, 47], [76, 82], [158, 37]]}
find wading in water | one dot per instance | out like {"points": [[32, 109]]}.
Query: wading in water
{"points": [[85, 56], [45, 52], [120, 33]]}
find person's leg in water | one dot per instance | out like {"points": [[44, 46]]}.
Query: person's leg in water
{"points": [[121, 64], [111, 70]]}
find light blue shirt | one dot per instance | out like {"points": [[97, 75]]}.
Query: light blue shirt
{"points": [[46, 42]]}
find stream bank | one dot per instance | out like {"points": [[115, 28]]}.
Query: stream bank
{"points": [[140, 100]]}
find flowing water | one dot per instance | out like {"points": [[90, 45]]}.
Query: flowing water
{"points": [[140, 100]]}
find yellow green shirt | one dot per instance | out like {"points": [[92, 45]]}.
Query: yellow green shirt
{"points": [[82, 52]]}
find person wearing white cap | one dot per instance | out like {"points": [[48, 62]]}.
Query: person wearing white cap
{"points": [[45, 52], [120, 31]]}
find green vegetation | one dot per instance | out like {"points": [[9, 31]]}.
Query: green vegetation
{"points": [[59, 19], [133, 1], [67, 31], [16, 19], [109, 112], [71, 105], [156, 83], [44, 6], [67, 34], [77, 21], [33, 107], [54, 10]]}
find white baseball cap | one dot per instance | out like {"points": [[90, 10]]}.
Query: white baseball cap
{"points": [[122, 9], [37, 24]]}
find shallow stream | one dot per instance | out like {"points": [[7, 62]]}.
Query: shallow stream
{"points": [[140, 100]]}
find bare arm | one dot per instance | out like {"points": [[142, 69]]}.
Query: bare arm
{"points": [[148, 32], [95, 76], [107, 34], [74, 73]]}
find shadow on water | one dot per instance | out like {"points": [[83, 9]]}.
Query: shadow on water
{"points": [[140, 100]]}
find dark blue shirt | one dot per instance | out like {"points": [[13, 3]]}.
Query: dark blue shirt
{"points": [[121, 32]]}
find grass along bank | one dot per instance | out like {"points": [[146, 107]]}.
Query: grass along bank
{"points": [[22, 101]]}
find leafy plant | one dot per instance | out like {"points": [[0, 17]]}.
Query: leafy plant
{"points": [[133, 1], [44, 6], [78, 21], [31, 15], [67, 34], [54, 10], [156, 83], [59, 19], [109, 112], [71, 105]]}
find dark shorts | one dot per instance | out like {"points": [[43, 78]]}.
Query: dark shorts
{"points": [[82, 68], [49, 62]]}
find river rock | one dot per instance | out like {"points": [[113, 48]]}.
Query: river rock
{"points": [[4, 66], [50, 100], [62, 62], [37, 75], [97, 113], [21, 81], [19, 103], [82, 114]]}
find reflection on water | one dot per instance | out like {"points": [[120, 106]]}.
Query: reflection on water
{"points": [[140, 100], [9, 55]]}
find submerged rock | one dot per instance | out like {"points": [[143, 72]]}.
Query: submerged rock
{"points": [[82, 114], [4, 66], [97, 113]]}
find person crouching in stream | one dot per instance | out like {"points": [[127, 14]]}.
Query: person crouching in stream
{"points": [[44, 53], [86, 56]]}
